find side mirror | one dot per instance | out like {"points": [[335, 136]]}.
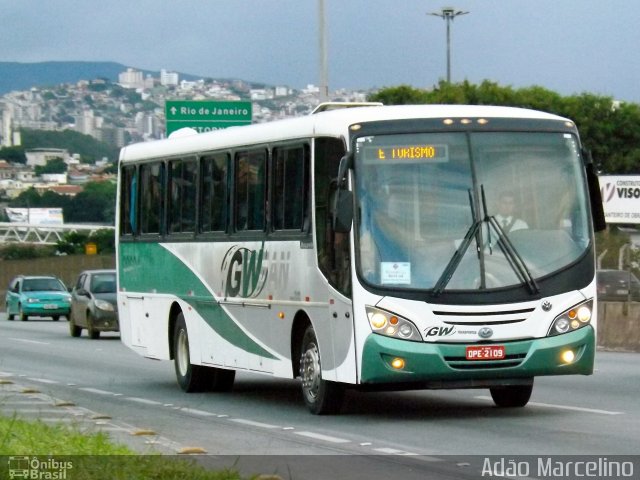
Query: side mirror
{"points": [[82, 292], [343, 211], [345, 164], [342, 208], [595, 195]]}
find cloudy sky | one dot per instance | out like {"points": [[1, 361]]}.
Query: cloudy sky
{"points": [[569, 46]]}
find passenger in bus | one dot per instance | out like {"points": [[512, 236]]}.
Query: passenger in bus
{"points": [[506, 216]]}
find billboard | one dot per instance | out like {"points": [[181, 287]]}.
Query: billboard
{"points": [[621, 198], [35, 216]]}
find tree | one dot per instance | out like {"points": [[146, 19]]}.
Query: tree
{"points": [[95, 204], [55, 165], [610, 130], [13, 154]]}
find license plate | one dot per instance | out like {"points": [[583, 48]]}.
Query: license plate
{"points": [[622, 292], [488, 352], [50, 306]]}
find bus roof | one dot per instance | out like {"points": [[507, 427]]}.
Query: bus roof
{"points": [[333, 123]]}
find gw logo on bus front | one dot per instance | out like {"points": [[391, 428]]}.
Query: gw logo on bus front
{"points": [[439, 331]]}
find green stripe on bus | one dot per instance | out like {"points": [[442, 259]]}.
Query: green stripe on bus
{"points": [[150, 268]]}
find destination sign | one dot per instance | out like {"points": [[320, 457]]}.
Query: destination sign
{"points": [[428, 152]]}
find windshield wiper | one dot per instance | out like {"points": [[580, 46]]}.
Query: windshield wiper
{"points": [[514, 258], [462, 249]]}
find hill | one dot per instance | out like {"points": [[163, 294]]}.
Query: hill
{"points": [[23, 76]]}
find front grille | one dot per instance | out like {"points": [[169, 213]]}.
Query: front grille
{"points": [[497, 317]]}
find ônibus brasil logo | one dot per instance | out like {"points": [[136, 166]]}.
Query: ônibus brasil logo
{"points": [[245, 274]]}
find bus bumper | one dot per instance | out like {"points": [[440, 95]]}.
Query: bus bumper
{"points": [[436, 365]]}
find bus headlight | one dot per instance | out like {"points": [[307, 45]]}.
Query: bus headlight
{"points": [[572, 319], [391, 325]]}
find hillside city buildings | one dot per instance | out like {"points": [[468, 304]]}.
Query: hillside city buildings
{"points": [[131, 110]]}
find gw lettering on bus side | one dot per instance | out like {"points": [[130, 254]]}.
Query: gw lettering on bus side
{"points": [[246, 275]]}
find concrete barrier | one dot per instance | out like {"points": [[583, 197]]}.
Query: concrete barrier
{"points": [[67, 268], [619, 326]]}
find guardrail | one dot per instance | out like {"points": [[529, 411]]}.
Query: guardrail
{"points": [[43, 234]]}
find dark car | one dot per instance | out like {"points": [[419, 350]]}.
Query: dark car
{"points": [[613, 285], [94, 304], [37, 296]]}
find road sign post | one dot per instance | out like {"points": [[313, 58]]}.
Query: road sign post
{"points": [[206, 116]]}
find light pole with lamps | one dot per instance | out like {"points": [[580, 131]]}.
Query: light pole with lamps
{"points": [[448, 14]]}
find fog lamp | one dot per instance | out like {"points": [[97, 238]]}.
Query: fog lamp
{"points": [[568, 356], [397, 363]]}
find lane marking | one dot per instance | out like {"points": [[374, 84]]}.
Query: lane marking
{"points": [[393, 451], [565, 407], [96, 390], [142, 400], [43, 380], [196, 412], [24, 340], [252, 423], [319, 436]]}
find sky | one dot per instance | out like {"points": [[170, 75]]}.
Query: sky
{"points": [[568, 46]]}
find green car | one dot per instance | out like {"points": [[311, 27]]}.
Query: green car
{"points": [[37, 297]]}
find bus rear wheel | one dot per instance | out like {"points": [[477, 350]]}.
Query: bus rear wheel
{"points": [[191, 378], [320, 396], [196, 378], [511, 395]]}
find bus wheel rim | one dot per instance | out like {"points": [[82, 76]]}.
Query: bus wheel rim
{"points": [[311, 372], [183, 353]]}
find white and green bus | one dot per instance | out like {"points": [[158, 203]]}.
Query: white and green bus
{"points": [[364, 248]]}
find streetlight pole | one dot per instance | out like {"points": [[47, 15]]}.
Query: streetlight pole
{"points": [[448, 14], [322, 37]]}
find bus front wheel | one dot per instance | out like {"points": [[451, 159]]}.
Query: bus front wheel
{"points": [[320, 396], [191, 378], [511, 395]]}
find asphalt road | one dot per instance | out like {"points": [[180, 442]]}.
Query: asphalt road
{"points": [[446, 434]]}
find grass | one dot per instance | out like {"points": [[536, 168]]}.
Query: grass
{"points": [[93, 456]]}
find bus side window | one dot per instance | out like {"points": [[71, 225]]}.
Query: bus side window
{"points": [[250, 195], [213, 202], [128, 201], [182, 196], [290, 187], [151, 195], [333, 248]]}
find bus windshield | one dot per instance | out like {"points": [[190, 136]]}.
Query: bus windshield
{"points": [[468, 211]]}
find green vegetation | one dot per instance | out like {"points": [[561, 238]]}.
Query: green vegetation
{"points": [[92, 456], [74, 242], [610, 130], [55, 165], [21, 251], [95, 204]]}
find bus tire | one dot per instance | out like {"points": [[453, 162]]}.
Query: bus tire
{"points": [[511, 395], [321, 396], [191, 378]]}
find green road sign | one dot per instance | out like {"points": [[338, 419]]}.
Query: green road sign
{"points": [[205, 116]]}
